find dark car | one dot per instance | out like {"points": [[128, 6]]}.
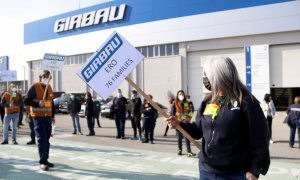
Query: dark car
{"points": [[106, 109], [65, 98]]}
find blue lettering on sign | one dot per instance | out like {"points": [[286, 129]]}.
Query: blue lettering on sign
{"points": [[102, 56], [248, 68], [54, 57]]}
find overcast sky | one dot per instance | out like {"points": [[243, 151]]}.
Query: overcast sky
{"points": [[15, 13]]}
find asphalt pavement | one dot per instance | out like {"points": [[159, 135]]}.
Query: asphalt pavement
{"points": [[105, 157]]}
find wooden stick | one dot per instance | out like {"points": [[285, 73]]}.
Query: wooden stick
{"points": [[162, 112], [46, 89]]}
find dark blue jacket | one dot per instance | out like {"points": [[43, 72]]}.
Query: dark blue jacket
{"points": [[293, 112], [238, 138]]}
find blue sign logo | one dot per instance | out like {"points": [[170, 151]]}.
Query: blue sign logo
{"points": [[101, 57]]}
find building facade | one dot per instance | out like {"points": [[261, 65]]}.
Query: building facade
{"points": [[176, 37]]}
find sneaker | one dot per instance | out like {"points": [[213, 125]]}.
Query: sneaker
{"points": [[30, 142], [291, 146], [74, 132], [14, 142], [44, 167], [50, 165], [179, 152], [80, 133], [190, 154], [271, 141], [4, 142], [145, 141]]}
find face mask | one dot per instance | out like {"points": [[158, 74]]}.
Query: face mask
{"points": [[44, 80], [180, 97], [119, 95], [206, 83], [14, 89]]}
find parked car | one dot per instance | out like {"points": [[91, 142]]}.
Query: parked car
{"points": [[102, 101], [65, 98]]}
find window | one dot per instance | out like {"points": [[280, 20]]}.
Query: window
{"points": [[175, 48], [144, 51], [162, 50], [169, 49], [150, 51], [156, 51]]}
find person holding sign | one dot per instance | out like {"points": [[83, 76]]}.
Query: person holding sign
{"points": [[39, 98], [234, 132], [11, 101]]}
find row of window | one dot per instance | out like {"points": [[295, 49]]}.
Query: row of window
{"points": [[160, 50], [147, 51]]}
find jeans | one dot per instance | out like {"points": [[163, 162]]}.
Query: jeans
{"points": [[206, 174], [14, 117], [31, 126], [295, 125], [179, 140], [76, 123], [90, 123], [43, 129], [120, 123], [136, 125]]}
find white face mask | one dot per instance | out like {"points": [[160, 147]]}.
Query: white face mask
{"points": [[14, 89], [44, 80], [180, 97], [119, 95]]}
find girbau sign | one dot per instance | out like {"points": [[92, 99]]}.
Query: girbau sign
{"points": [[91, 18]]}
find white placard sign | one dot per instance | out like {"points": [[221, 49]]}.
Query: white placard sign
{"points": [[53, 62], [8, 75], [109, 65]]}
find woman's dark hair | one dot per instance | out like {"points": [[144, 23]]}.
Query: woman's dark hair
{"points": [[267, 98], [89, 96]]}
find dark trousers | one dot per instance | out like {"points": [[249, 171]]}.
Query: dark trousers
{"points": [[43, 128], [31, 126], [96, 117], [20, 117], [149, 125], [269, 120], [136, 125], [179, 140], [295, 125], [120, 124], [206, 174], [90, 123]]}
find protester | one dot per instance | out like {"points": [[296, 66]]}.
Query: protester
{"points": [[119, 112], [97, 112], [11, 101], [181, 109], [2, 112], [269, 111], [234, 132], [42, 114], [74, 107], [293, 112], [136, 104], [89, 114], [150, 116], [191, 104]]}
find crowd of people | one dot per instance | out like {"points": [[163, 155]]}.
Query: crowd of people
{"points": [[225, 121]]}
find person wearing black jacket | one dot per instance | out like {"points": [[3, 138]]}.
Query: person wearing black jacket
{"points": [[89, 114], [293, 112], [150, 116], [234, 132], [136, 114], [74, 107]]}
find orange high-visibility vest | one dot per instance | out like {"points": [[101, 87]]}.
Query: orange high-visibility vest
{"points": [[11, 100], [42, 111], [183, 114]]}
